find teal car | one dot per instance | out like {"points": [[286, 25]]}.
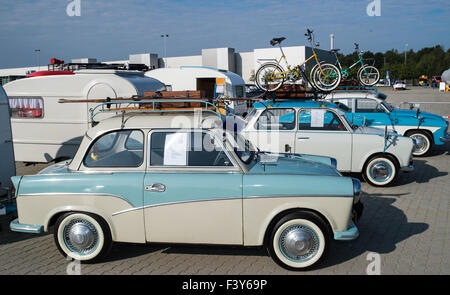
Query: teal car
{"points": [[138, 179], [369, 108]]}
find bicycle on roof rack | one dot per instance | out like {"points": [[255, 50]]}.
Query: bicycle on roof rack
{"points": [[367, 75], [271, 76]]}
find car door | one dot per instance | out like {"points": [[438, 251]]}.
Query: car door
{"points": [[193, 190], [321, 132], [274, 130], [371, 113]]}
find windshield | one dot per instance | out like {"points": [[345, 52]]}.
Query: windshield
{"points": [[250, 115], [246, 152], [341, 113], [387, 106]]}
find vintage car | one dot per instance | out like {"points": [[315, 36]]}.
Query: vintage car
{"points": [[371, 109], [168, 177], [321, 128]]}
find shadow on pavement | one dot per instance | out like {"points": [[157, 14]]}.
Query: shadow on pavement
{"points": [[381, 228], [422, 173]]}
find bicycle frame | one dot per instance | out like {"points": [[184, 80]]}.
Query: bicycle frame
{"points": [[299, 66], [345, 71]]}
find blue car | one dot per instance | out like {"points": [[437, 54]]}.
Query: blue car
{"points": [[369, 108]]}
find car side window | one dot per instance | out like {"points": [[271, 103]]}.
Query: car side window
{"points": [[345, 104], [116, 149], [276, 119], [186, 149], [364, 105], [319, 120]]}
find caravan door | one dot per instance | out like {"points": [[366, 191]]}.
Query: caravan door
{"points": [[8, 167]]}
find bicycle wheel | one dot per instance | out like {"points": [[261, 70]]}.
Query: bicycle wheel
{"points": [[270, 77], [368, 75], [326, 77]]}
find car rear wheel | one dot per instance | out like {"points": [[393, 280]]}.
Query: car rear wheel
{"points": [[298, 240], [82, 236], [380, 171], [423, 143]]}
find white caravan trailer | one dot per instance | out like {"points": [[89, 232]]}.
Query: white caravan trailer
{"points": [[8, 166], [45, 130], [216, 83]]}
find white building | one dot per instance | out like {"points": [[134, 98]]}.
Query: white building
{"points": [[244, 64]]}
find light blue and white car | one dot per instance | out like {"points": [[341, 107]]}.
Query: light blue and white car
{"points": [[369, 108], [136, 178], [321, 128]]}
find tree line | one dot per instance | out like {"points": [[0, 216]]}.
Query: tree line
{"points": [[429, 61]]}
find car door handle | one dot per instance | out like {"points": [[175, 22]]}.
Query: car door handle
{"points": [[303, 137], [156, 187]]}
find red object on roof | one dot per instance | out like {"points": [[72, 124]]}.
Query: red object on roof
{"points": [[55, 61], [50, 73]]}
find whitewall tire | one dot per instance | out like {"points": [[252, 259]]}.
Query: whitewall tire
{"points": [[423, 143], [380, 171], [82, 236], [298, 241]]}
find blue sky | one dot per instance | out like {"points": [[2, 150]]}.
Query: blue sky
{"points": [[113, 29]]}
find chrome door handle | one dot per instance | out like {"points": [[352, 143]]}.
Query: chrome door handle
{"points": [[304, 137], [156, 187]]}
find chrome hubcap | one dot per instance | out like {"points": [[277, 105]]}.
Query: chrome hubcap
{"points": [[80, 236], [380, 171], [299, 242], [421, 144]]}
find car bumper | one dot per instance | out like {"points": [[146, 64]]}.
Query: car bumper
{"points": [[445, 138], [25, 228], [350, 234]]}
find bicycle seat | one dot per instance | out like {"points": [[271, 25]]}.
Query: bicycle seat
{"points": [[276, 41], [334, 50]]}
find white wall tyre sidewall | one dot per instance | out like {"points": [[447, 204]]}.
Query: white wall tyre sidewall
{"points": [[372, 179], [427, 140], [311, 76], [258, 73], [298, 265], [318, 84], [361, 80], [76, 256]]}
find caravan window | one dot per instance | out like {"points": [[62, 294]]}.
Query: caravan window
{"points": [[26, 107]]}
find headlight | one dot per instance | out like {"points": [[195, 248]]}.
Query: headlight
{"points": [[356, 190]]}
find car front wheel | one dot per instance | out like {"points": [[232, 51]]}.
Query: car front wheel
{"points": [[298, 240], [82, 236], [422, 143], [380, 171]]}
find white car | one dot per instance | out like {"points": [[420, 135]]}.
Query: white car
{"points": [[399, 85], [321, 128]]}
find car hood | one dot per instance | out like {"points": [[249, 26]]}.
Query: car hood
{"points": [[373, 130], [58, 168], [290, 164], [412, 114]]}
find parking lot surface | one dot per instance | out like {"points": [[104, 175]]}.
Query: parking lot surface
{"points": [[406, 224]]}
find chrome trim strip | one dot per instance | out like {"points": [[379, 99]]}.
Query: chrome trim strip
{"points": [[75, 194], [175, 203], [298, 196], [226, 199]]}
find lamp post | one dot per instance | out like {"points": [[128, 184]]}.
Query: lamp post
{"points": [[37, 51], [406, 48], [164, 36]]}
